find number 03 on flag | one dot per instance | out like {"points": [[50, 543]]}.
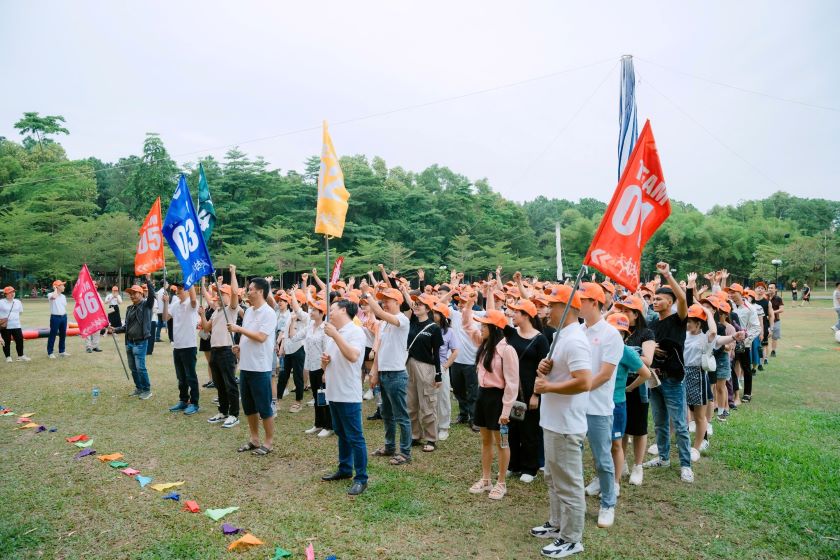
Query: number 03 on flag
{"points": [[639, 206]]}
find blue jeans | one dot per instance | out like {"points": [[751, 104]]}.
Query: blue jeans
{"points": [[599, 432], [184, 359], [160, 324], [58, 326], [668, 405], [395, 410], [135, 353], [352, 450]]}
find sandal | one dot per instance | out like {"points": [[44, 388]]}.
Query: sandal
{"points": [[399, 459], [247, 447], [482, 485], [383, 452], [296, 407], [262, 451], [498, 492], [429, 447]]}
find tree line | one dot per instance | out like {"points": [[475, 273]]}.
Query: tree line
{"points": [[56, 213]]}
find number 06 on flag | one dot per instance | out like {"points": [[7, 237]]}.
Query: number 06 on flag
{"points": [[87, 309], [639, 206]]}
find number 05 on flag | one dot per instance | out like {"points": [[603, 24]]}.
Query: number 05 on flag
{"points": [[637, 209]]}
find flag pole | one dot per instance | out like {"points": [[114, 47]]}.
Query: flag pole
{"points": [[117, 346], [579, 277], [224, 307], [326, 275]]}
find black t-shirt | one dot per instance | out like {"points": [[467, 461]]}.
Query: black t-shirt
{"points": [[765, 306], [635, 340], [670, 336], [777, 302], [530, 351], [426, 347]]}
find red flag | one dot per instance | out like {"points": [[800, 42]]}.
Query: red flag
{"points": [[88, 310], [149, 256], [637, 209], [336, 273]]}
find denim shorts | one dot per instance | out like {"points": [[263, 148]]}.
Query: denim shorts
{"points": [[619, 420], [776, 331], [255, 388]]}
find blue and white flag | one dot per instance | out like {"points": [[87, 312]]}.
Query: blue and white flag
{"points": [[180, 228], [628, 126]]}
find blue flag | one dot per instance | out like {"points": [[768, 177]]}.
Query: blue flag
{"points": [[628, 125], [180, 228]]}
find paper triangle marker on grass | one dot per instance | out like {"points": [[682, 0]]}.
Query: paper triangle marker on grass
{"points": [[174, 496], [216, 514], [111, 457], [130, 472], [117, 464], [80, 437], [28, 425], [191, 506], [244, 542], [229, 529], [84, 444], [27, 415], [84, 453], [166, 486], [143, 480], [40, 429], [280, 553]]}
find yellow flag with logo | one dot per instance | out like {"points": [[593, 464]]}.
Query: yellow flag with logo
{"points": [[332, 196]]}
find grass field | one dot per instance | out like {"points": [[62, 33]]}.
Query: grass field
{"points": [[768, 488]]}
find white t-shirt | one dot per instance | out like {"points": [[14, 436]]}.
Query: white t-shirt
{"points": [[606, 346], [393, 345], [836, 296], [58, 304], [695, 345], [111, 299], [184, 319], [463, 341], [343, 378], [253, 355], [566, 414], [11, 309], [293, 343], [159, 300]]}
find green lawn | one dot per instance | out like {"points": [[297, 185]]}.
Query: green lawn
{"points": [[769, 487]]}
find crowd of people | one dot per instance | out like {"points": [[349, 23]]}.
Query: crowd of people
{"points": [[535, 367]]}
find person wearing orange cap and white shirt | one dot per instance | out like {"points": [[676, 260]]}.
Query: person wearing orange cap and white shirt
{"points": [[113, 301], [58, 319], [391, 373], [292, 349], [531, 346], [606, 350], [563, 382], [667, 401], [498, 387], [748, 319], [222, 360], [313, 347], [10, 310], [137, 329], [448, 353]]}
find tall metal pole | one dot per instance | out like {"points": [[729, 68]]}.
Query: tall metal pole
{"points": [[579, 277], [558, 245], [327, 276]]}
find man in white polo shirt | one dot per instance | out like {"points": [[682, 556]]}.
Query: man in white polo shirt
{"points": [[58, 319], [607, 348], [183, 310], [255, 350], [563, 381], [344, 353]]}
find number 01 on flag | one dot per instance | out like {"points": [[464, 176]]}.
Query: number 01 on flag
{"points": [[639, 206]]}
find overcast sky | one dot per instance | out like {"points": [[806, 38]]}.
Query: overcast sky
{"points": [[206, 75]]}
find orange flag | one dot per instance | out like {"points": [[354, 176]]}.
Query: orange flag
{"points": [[637, 209], [149, 256], [332, 196], [244, 542]]}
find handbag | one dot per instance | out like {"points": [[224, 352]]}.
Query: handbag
{"points": [[707, 359], [520, 407], [5, 320], [653, 382]]}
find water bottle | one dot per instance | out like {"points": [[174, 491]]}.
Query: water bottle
{"points": [[95, 393], [503, 433]]}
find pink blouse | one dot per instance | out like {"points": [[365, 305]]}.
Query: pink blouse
{"points": [[505, 374]]}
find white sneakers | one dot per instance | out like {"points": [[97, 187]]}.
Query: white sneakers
{"points": [[686, 474], [368, 395], [9, 359], [65, 354], [710, 430], [695, 455], [624, 470], [312, 430], [692, 426], [325, 433], [526, 478], [593, 488], [231, 422], [52, 356], [443, 435], [704, 446], [637, 475], [655, 463], [606, 517], [561, 549], [546, 531], [653, 450], [617, 490], [216, 418]]}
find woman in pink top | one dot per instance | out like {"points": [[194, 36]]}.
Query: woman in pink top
{"points": [[498, 386]]}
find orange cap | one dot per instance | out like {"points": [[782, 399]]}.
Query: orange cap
{"points": [[135, 288], [300, 295], [391, 293], [736, 287], [58, 283], [426, 299], [514, 291], [8, 290], [320, 305], [525, 306], [493, 317], [696, 311], [540, 300], [632, 302], [724, 306], [499, 295], [751, 293], [619, 321], [225, 289], [442, 309], [591, 290], [464, 295], [561, 294], [354, 298], [608, 286]]}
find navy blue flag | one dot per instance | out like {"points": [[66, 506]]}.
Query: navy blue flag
{"points": [[180, 228]]}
